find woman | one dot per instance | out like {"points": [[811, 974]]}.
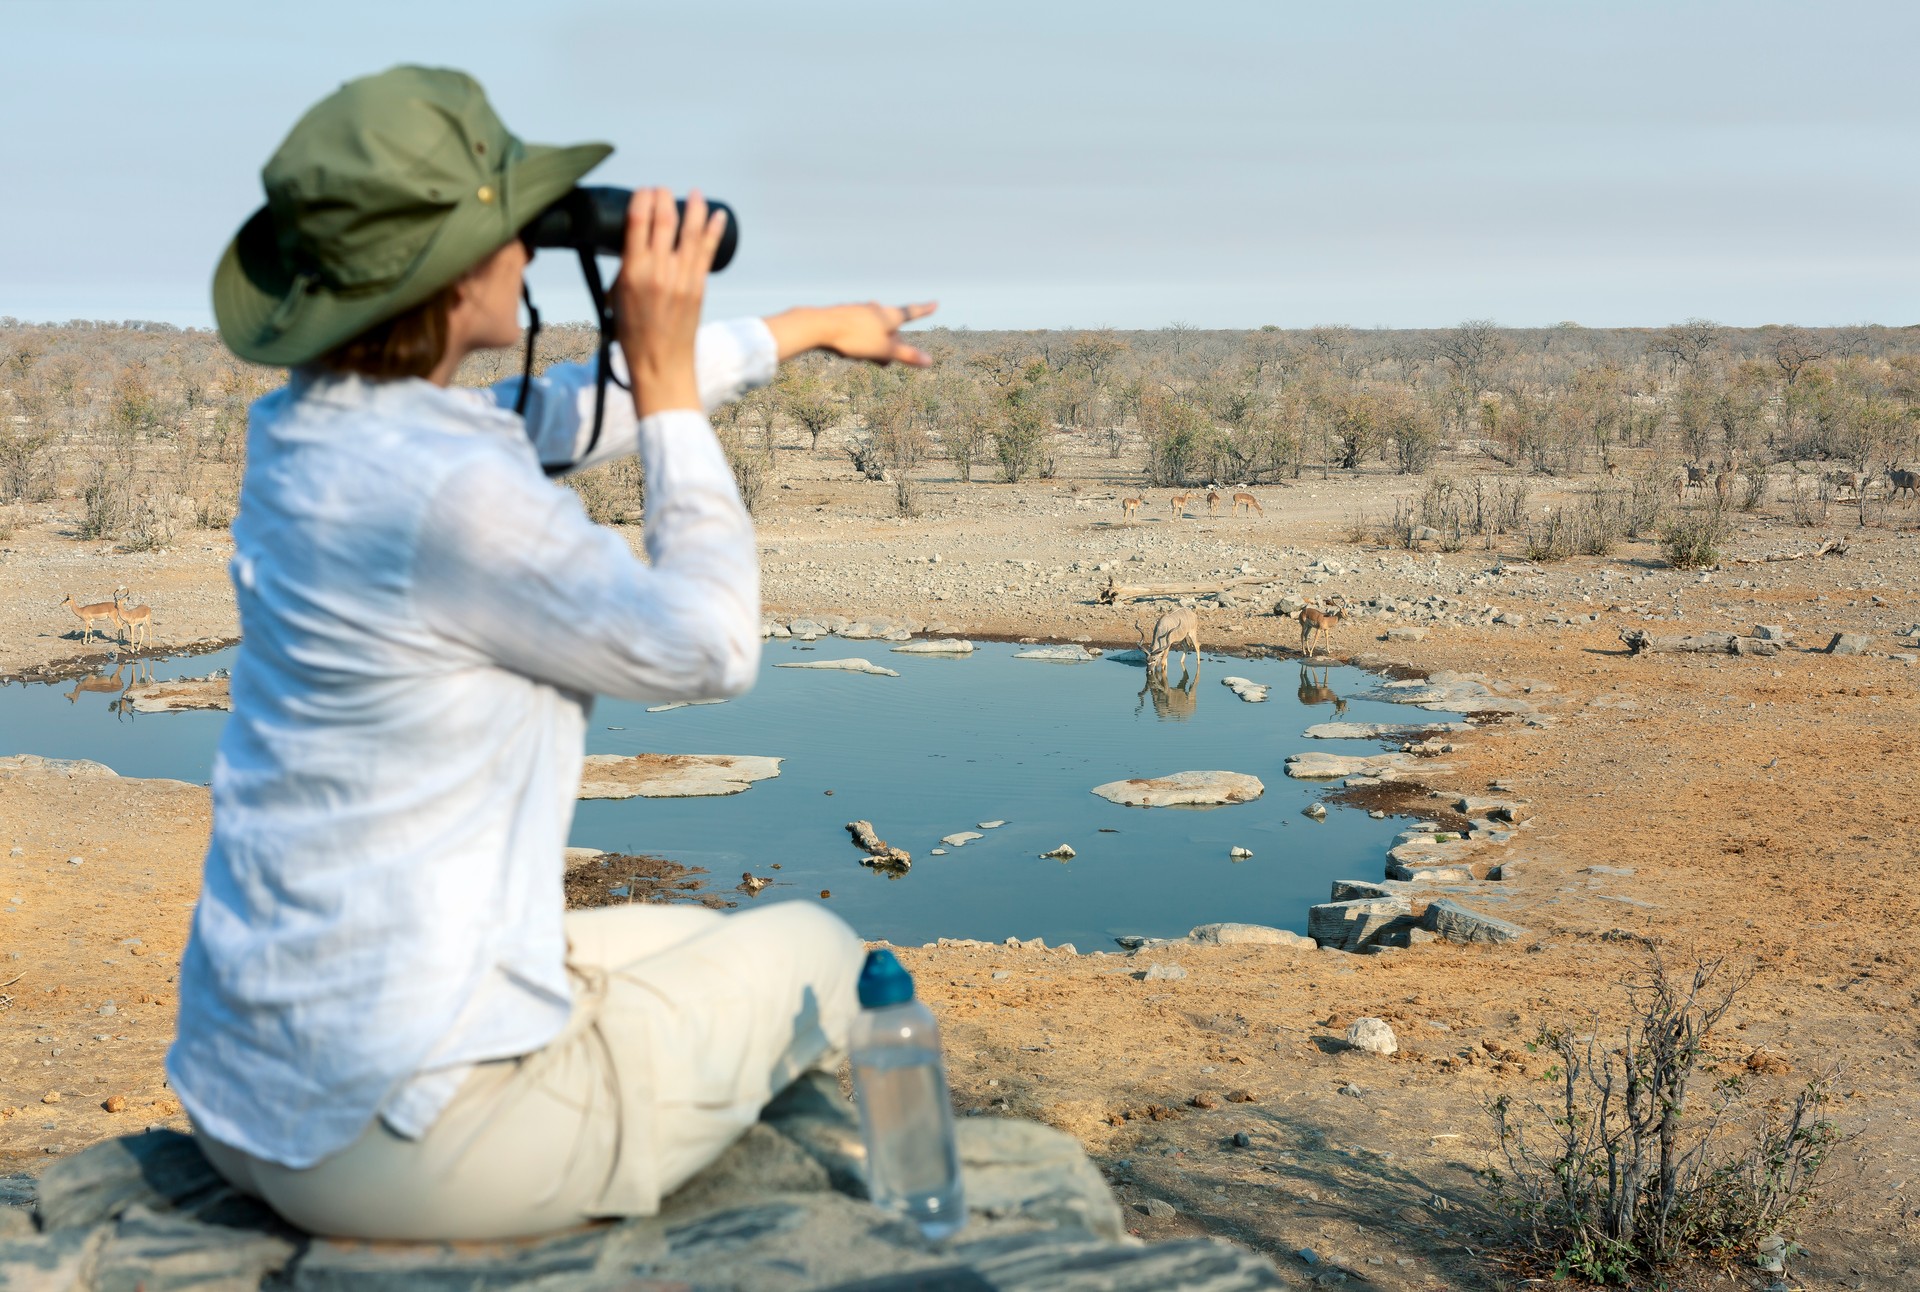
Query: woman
{"points": [[389, 1028]]}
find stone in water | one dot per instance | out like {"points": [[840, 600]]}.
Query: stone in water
{"points": [[1183, 789], [844, 666]]}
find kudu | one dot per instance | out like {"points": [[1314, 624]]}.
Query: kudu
{"points": [[1179, 628], [1903, 481]]}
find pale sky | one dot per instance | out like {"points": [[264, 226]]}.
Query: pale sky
{"points": [[1040, 164]]}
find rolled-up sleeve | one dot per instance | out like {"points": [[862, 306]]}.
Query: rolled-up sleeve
{"points": [[509, 565], [730, 359]]}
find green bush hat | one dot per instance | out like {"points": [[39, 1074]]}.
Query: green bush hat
{"points": [[386, 191]]}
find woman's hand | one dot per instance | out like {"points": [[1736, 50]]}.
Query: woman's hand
{"points": [[870, 332], [657, 297]]}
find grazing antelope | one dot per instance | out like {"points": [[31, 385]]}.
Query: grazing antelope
{"points": [[1248, 501], [1854, 480], [1903, 481], [102, 611], [1213, 502], [1179, 504], [1129, 507], [1315, 623], [1175, 628], [1319, 691], [134, 621]]}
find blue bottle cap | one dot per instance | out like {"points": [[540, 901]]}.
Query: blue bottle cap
{"points": [[884, 981]]}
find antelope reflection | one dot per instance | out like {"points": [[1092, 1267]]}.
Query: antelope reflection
{"points": [[1318, 690], [1171, 703]]}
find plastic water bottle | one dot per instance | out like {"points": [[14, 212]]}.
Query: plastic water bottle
{"points": [[906, 1119]]}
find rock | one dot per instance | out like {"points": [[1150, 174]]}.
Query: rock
{"points": [[1770, 633], [1161, 973], [1238, 935], [671, 705], [835, 623], [945, 646], [961, 839], [1347, 890], [1378, 730], [774, 628], [72, 768], [1456, 923], [1183, 789], [1316, 766], [1318, 811], [1849, 644], [1251, 692], [1511, 619], [990, 825], [843, 666], [806, 628], [160, 1169], [1062, 853], [1421, 937], [1406, 634], [936, 852], [863, 630], [179, 694], [1071, 653], [1239, 854], [780, 1211], [1288, 606], [880, 854], [1373, 1036], [1498, 809], [1158, 1209], [1306, 1254], [1351, 925], [672, 776]]}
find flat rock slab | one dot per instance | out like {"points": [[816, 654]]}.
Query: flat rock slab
{"points": [[1183, 789], [1250, 691], [1247, 935], [1378, 730], [1328, 767], [1457, 923], [671, 705], [35, 765], [961, 839], [1072, 654], [672, 776], [843, 666], [180, 694], [782, 1210], [945, 646]]}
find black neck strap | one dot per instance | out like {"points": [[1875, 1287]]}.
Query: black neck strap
{"points": [[603, 359]]}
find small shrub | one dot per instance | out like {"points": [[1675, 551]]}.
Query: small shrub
{"points": [[105, 500], [1601, 521], [1552, 539], [1619, 1176], [1360, 527], [1753, 490], [611, 493], [1647, 497], [1693, 541], [6, 523]]}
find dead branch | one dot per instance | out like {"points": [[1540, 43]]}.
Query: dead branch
{"points": [[1114, 593], [1640, 642], [1832, 547]]}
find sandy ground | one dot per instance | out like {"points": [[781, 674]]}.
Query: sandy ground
{"points": [[1759, 807]]}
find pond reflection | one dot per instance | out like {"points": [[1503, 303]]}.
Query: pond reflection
{"points": [[1171, 702], [1319, 690]]}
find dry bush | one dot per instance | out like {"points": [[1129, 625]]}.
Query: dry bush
{"points": [[1694, 540], [612, 493], [1622, 1174]]}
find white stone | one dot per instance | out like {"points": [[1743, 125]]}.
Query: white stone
{"points": [[1072, 653], [945, 646], [1239, 853], [1063, 853], [1250, 691], [672, 776], [1183, 789], [679, 704], [844, 666], [991, 825], [961, 839], [1373, 1036]]}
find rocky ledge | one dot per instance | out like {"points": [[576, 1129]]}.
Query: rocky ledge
{"points": [[782, 1210]]}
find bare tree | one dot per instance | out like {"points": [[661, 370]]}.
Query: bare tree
{"points": [[1470, 350]]}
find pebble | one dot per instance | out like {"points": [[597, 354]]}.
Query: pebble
{"points": [[1161, 973], [1242, 1140], [1351, 1090], [1318, 811], [1064, 852], [1158, 1209], [76, 861], [1307, 1256]]}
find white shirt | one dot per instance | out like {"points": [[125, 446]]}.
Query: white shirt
{"points": [[425, 618]]}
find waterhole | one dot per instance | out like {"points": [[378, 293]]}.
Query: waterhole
{"points": [[946, 745]]}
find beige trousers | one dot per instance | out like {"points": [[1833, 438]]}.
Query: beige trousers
{"points": [[685, 1023]]}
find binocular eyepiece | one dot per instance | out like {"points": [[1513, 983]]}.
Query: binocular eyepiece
{"points": [[593, 219]]}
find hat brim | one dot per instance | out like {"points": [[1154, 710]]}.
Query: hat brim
{"points": [[270, 314]]}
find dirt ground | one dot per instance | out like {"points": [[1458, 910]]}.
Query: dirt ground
{"points": [[1758, 807]]}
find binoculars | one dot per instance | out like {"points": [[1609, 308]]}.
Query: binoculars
{"points": [[593, 220]]}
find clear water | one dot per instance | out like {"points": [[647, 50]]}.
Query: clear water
{"points": [[912, 1166], [947, 744]]}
